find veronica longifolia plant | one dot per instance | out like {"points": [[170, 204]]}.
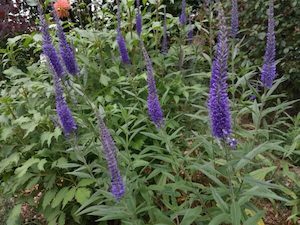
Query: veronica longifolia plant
{"points": [[234, 18], [66, 51], [48, 48], [154, 109], [139, 23], [218, 102], [182, 17], [268, 73], [109, 149], [120, 39]]}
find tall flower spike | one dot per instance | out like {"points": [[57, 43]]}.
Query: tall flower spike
{"points": [[48, 48], [109, 149], [182, 17], [164, 48], [66, 51], [218, 102], [154, 109], [120, 39], [234, 18], [138, 19], [268, 73], [64, 113]]}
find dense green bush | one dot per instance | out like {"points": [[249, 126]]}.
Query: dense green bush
{"points": [[175, 175]]}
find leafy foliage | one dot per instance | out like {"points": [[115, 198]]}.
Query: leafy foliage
{"points": [[178, 174]]}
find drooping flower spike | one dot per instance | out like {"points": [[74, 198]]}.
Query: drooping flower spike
{"points": [[268, 73], [48, 48], [218, 102], [234, 18], [109, 149], [66, 52], [182, 17], [139, 23], [120, 39], [154, 109]]}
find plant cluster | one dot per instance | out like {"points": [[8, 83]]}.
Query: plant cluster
{"points": [[146, 118]]}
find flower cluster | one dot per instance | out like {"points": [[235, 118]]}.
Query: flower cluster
{"points": [[139, 23], [218, 102], [234, 18], [154, 109], [109, 149], [120, 39], [66, 51], [64, 113], [62, 8], [182, 17], [268, 73]]}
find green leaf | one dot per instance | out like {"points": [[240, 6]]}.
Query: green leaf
{"points": [[59, 197], [191, 215], [69, 196], [219, 219], [258, 150], [14, 216], [254, 219], [260, 174], [236, 214], [62, 219], [82, 194], [85, 182], [48, 197], [23, 169], [220, 202]]}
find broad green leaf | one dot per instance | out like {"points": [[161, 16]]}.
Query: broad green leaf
{"points": [[219, 219], [82, 194], [260, 174]]}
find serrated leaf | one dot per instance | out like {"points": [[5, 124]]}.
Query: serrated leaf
{"points": [[59, 197], [62, 219], [48, 197], [23, 169], [69, 196], [41, 164]]}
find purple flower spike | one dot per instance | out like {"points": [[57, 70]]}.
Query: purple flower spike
{"points": [[120, 39], [138, 18], [66, 51], [182, 17], [164, 48], [109, 149], [218, 102], [268, 73], [154, 108], [48, 48], [122, 49], [64, 113], [234, 18]]}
